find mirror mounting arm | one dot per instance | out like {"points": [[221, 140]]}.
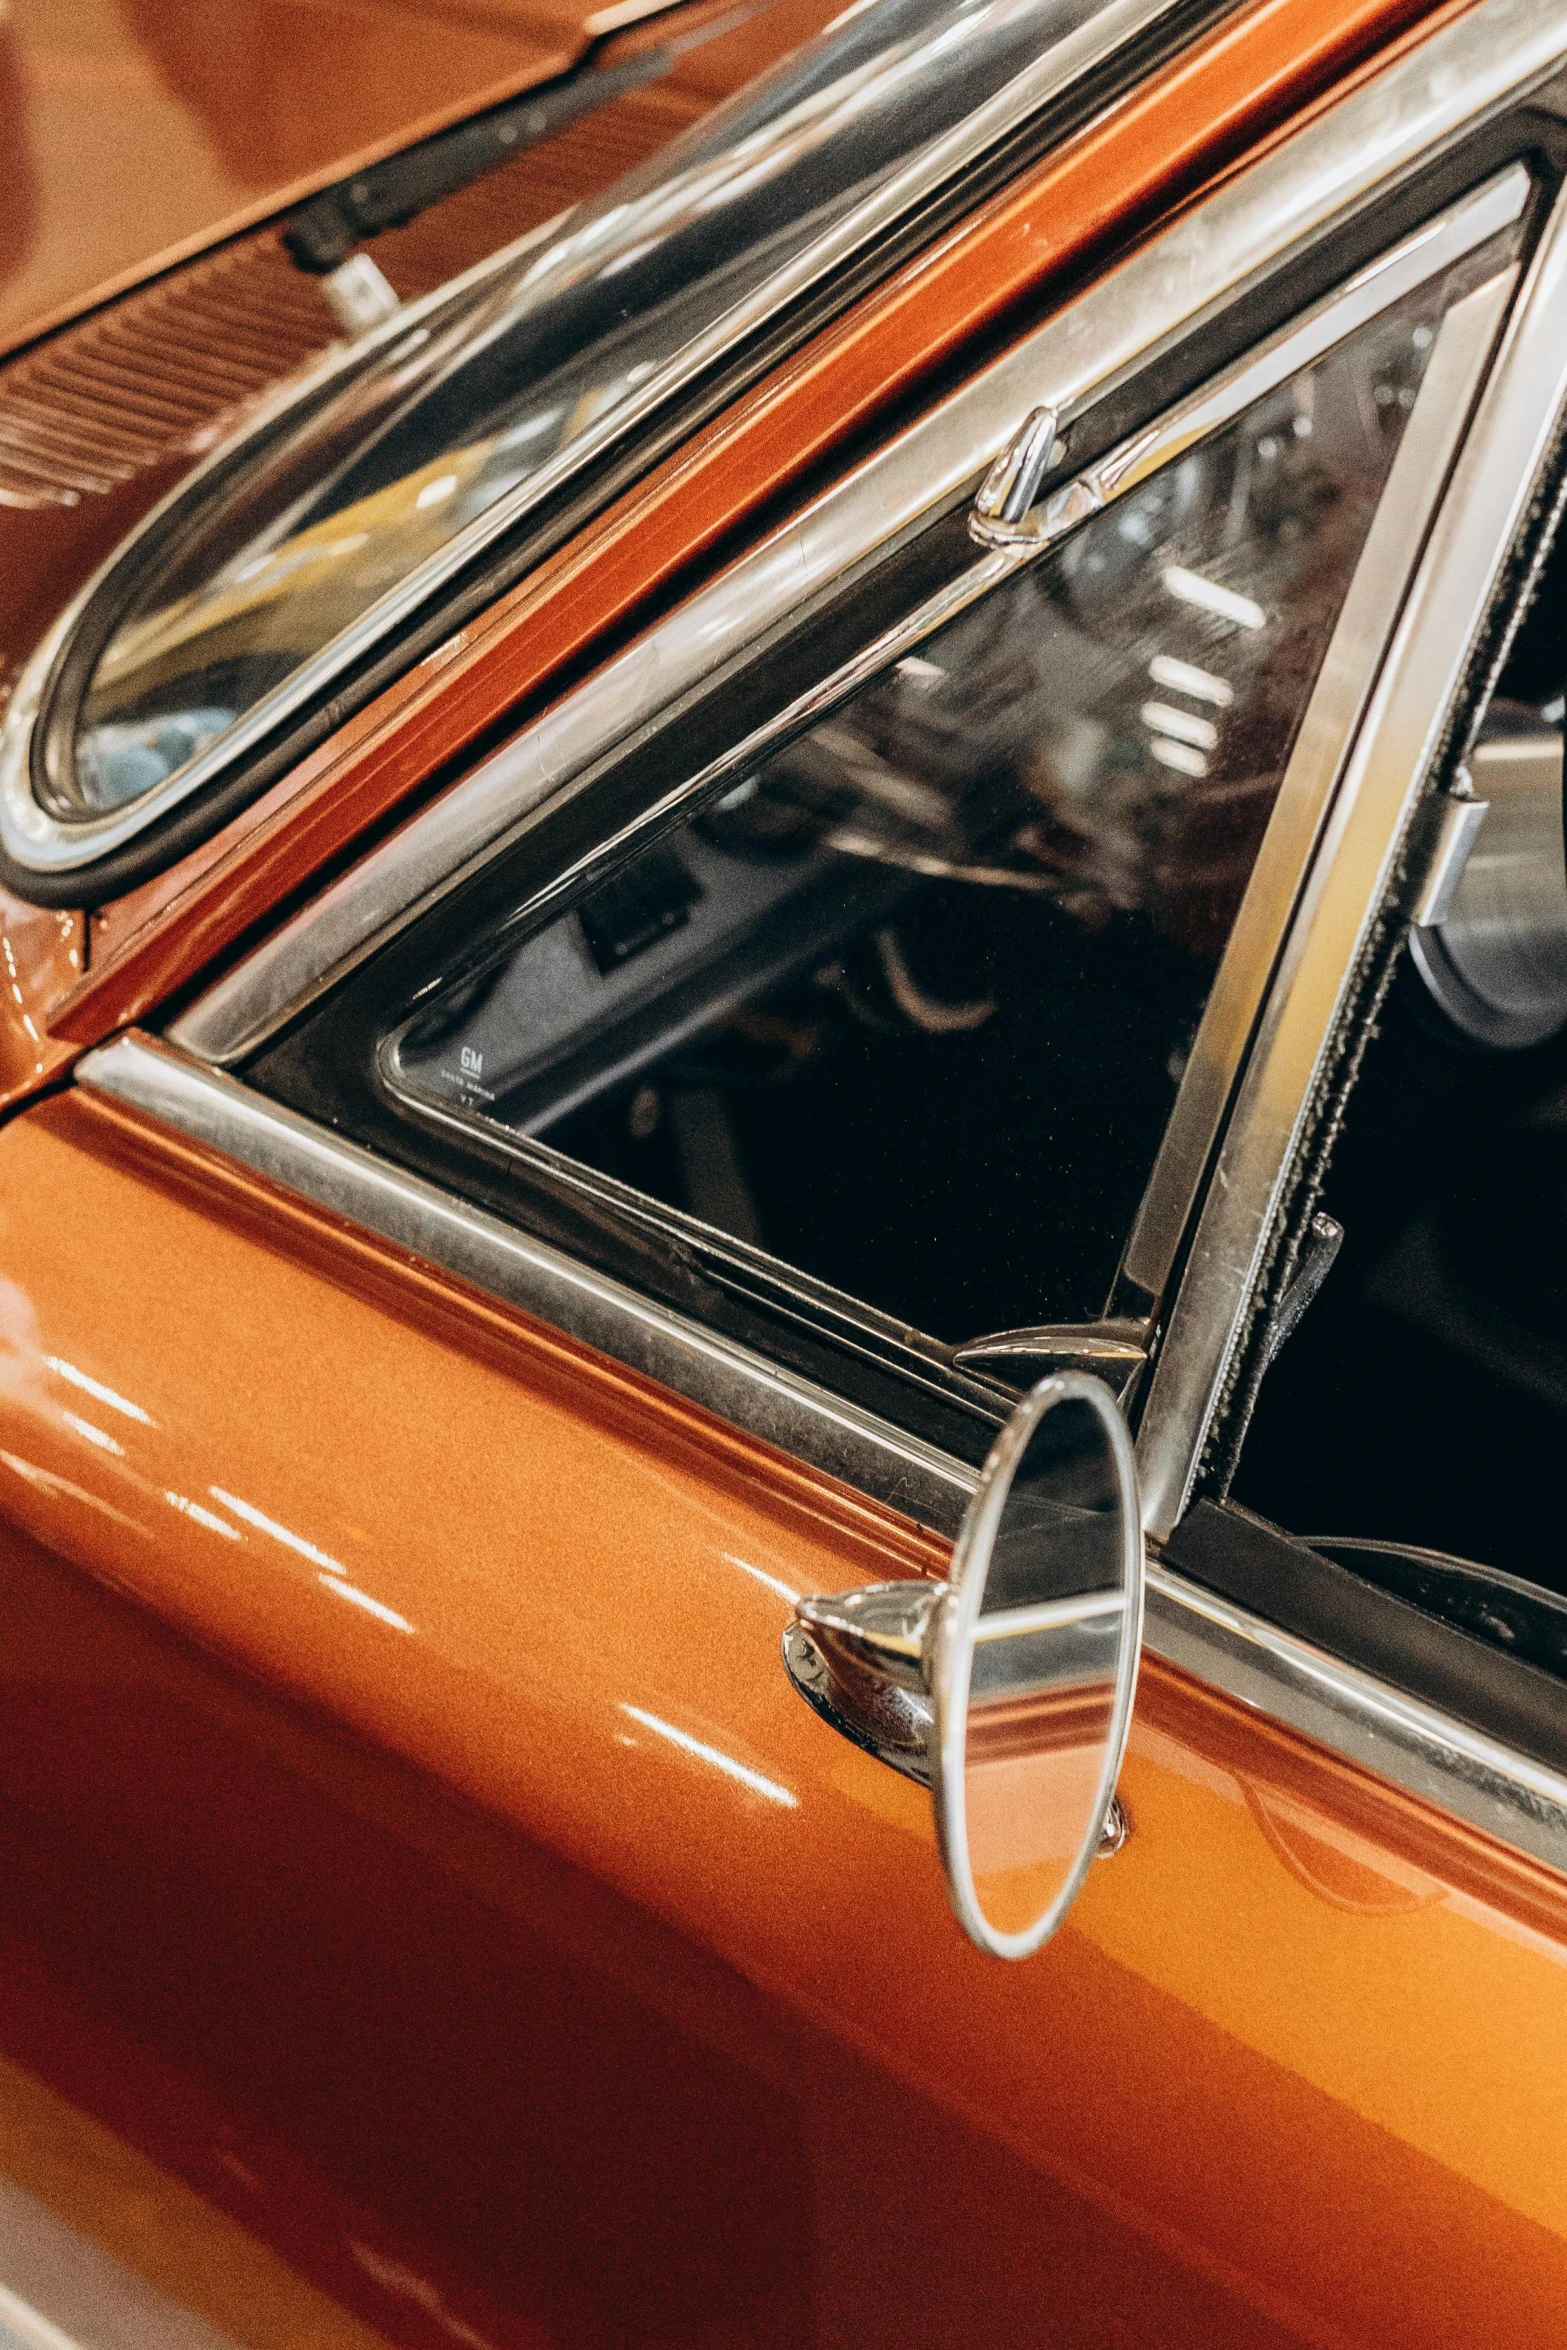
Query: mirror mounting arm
{"points": [[884, 1717], [1006, 1691]]}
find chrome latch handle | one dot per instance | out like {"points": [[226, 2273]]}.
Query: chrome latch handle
{"points": [[1114, 1350], [1010, 490]]}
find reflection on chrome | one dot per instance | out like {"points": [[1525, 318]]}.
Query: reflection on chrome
{"points": [[716, 1756], [258, 582]]}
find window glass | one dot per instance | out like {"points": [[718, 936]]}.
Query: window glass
{"points": [[450, 420], [907, 1006]]}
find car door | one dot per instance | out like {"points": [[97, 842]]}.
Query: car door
{"points": [[416, 1843]]}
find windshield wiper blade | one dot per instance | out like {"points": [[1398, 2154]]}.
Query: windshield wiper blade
{"points": [[322, 234]]}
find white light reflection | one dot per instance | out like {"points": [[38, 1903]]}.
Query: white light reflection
{"points": [[1189, 587], [759, 1575], [372, 1607], [334, 1575], [1180, 756], [98, 1436], [1181, 726], [1184, 677], [200, 1517], [711, 1754], [48, 1482], [265, 1525], [97, 1390]]}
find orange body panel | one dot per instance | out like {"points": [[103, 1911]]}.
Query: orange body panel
{"points": [[534, 1938], [1180, 129], [135, 132]]}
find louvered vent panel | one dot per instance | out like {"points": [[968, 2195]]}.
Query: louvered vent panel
{"points": [[155, 373], [163, 370]]}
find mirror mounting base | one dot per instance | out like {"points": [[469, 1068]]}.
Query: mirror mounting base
{"points": [[899, 1731]]}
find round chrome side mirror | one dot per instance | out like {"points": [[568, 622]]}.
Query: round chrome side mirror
{"points": [[1008, 1691]]}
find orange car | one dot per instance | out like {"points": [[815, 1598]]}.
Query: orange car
{"points": [[745, 822]]}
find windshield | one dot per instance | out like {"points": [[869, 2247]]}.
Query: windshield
{"points": [[274, 584]]}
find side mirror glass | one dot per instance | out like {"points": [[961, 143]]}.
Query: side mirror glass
{"points": [[1008, 1690], [1034, 1664]]}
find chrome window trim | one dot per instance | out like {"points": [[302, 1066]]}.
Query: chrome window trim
{"points": [[1519, 416], [725, 1377], [212, 1029], [266, 419], [1317, 758], [1128, 318], [44, 843], [1507, 1795]]}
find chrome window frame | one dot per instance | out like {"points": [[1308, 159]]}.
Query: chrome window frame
{"points": [[1403, 513], [43, 843], [1346, 858], [1520, 417]]}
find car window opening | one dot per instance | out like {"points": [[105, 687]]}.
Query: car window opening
{"points": [[907, 1006]]}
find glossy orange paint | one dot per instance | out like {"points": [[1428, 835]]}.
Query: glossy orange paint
{"points": [[136, 133], [1145, 156], [524, 1929], [41, 956]]}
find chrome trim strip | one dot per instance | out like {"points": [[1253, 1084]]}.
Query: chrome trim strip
{"points": [[1322, 746], [1518, 417], [1507, 1795], [716, 1372], [1126, 319], [42, 842], [1393, 274]]}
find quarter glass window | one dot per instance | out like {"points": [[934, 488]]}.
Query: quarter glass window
{"points": [[907, 1006]]}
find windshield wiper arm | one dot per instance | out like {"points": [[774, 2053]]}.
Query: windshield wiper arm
{"points": [[322, 234]]}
